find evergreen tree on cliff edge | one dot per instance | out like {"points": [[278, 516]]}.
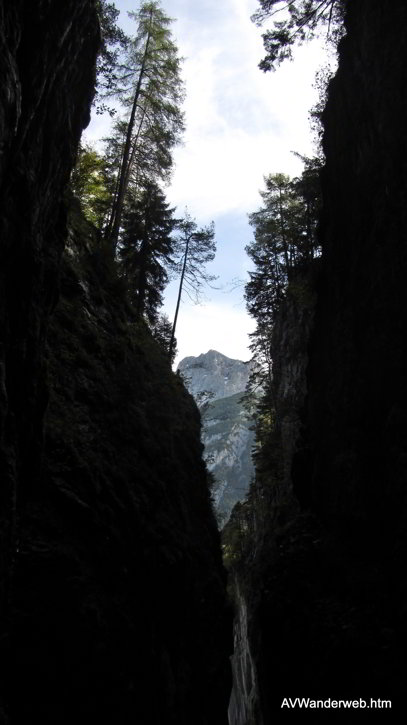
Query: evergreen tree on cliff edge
{"points": [[146, 249]]}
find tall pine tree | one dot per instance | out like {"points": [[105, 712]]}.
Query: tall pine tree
{"points": [[285, 241], [146, 249], [151, 89]]}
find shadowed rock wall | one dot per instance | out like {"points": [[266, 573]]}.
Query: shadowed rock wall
{"points": [[325, 584], [119, 606], [47, 69], [113, 596], [357, 376]]}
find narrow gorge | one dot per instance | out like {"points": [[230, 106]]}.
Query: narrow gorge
{"points": [[116, 604]]}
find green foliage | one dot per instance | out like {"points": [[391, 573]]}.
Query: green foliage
{"points": [[113, 43], [301, 21], [146, 249], [285, 244], [195, 247], [235, 535], [322, 78], [285, 240], [161, 330], [119, 191], [89, 184], [151, 91]]}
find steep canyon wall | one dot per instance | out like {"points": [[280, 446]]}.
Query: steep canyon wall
{"points": [[324, 545], [47, 57], [113, 591], [356, 412]]}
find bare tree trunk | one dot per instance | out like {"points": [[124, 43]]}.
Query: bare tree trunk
{"points": [[108, 229], [283, 236], [134, 148], [123, 173], [142, 278], [179, 299]]}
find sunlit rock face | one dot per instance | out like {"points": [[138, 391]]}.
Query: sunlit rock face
{"points": [[218, 383], [215, 373], [228, 440]]}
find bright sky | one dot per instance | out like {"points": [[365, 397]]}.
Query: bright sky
{"points": [[241, 124]]}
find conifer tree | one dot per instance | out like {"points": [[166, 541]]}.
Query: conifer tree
{"points": [[161, 331], [285, 241], [113, 43], [299, 21], [151, 90], [146, 249], [90, 184]]}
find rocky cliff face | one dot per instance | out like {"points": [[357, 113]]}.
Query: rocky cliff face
{"points": [[214, 373], [226, 428], [244, 706], [266, 533], [228, 440], [358, 350], [47, 69], [322, 556], [118, 585], [114, 606]]}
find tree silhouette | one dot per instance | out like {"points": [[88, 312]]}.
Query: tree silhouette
{"points": [[146, 249], [196, 247], [301, 21], [150, 87]]}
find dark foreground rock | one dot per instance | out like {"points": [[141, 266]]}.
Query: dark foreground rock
{"points": [[119, 591], [113, 597], [323, 567]]}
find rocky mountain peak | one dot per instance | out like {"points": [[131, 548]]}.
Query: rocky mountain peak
{"points": [[226, 428], [214, 372]]}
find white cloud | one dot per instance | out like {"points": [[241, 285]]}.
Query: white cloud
{"points": [[242, 124], [213, 327], [224, 172]]}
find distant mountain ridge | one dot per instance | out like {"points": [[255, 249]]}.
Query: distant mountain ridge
{"points": [[215, 373], [226, 433]]}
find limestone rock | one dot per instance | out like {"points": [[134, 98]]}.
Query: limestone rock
{"points": [[226, 433], [215, 373]]}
